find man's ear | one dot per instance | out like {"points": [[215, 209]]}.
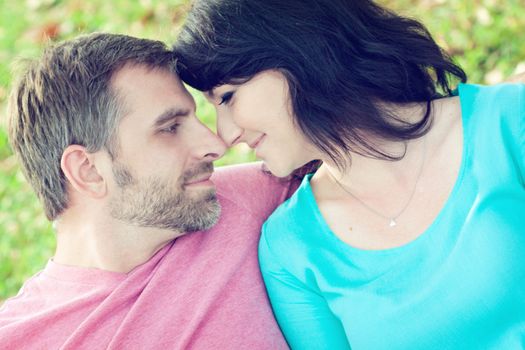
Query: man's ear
{"points": [[80, 169]]}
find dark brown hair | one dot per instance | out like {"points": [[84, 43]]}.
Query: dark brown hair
{"points": [[343, 60]]}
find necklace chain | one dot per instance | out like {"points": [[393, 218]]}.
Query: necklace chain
{"points": [[392, 219]]}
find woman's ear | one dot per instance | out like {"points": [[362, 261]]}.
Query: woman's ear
{"points": [[79, 168]]}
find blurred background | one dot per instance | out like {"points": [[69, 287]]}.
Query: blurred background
{"points": [[486, 37]]}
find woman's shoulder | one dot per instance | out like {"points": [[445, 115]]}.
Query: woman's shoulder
{"points": [[505, 99], [290, 213], [290, 224], [497, 109], [494, 124], [500, 89], [283, 245]]}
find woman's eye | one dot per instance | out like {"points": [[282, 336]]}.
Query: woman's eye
{"points": [[226, 97]]}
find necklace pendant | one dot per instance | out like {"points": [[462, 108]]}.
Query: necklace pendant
{"points": [[393, 223]]}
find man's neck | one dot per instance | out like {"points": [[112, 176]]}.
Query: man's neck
{"points": [[110, 245]]}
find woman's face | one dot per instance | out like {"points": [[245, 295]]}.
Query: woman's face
{"points": [[258, 112]]}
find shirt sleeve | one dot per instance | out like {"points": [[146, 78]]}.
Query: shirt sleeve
{"points": [[302, 313]]}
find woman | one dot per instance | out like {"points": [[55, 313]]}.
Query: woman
{"points": [[410, 233]]}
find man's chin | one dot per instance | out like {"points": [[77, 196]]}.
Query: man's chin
{"points": [[206, 215], [152, 205], [201, 195]]}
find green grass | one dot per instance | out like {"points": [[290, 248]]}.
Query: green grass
{"points": [[485, 36]]}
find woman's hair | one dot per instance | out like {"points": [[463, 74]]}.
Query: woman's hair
{"points": [[344, 60]]}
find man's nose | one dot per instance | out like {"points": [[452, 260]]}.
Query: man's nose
{"points": [[210, 147], [227, 130]]}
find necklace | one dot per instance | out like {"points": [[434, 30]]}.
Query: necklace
{"points": [[392, 220]]}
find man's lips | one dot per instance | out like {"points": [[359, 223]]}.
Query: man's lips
{"points": [[205, 178]]}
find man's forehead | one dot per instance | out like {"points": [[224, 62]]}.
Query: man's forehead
{"points": [[134, 75], [137, 82], [151, 93]]}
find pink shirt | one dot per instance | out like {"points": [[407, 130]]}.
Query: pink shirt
{"points": [[201, 291]]}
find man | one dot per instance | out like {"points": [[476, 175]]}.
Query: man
{"points": [[107, 136]]}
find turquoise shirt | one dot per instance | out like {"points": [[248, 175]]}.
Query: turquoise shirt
{"points": [[459, 285]]}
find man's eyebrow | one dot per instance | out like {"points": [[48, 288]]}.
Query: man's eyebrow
{"points": [[170, 114]]}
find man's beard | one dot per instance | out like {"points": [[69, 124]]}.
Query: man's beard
{"points": [[155, 202]]}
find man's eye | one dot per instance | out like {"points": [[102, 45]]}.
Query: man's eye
{"points": [[226, 98], [172, 129]]}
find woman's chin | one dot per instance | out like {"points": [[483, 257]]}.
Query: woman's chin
{"points": [[276, 170], [284, 171]]}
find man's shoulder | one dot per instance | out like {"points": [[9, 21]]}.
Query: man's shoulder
{"points": [[250, 187], [244, 173]]}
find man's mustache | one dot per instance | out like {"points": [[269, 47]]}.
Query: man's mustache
{"points": [[191, 174]]}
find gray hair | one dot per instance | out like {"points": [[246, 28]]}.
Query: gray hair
{"points": [[66, 98]]}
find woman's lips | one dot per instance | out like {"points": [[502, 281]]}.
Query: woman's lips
{"points": [[257, 143]]}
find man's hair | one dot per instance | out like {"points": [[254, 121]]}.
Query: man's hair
{"points": [[66, 98], [343, 60]]}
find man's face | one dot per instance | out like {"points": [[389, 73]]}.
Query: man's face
{"points": [[164, 155]]}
